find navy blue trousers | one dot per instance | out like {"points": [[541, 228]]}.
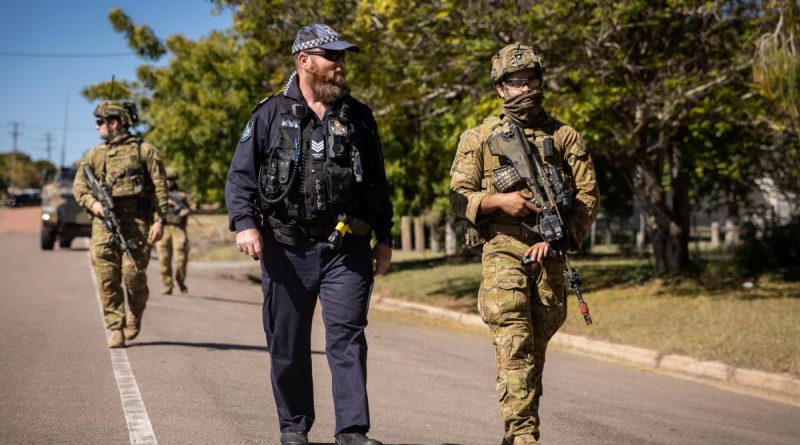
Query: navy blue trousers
{"points": [[292, 278]]}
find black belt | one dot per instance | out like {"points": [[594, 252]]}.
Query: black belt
{"points": [[317, 231]]}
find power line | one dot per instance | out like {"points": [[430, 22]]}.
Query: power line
{"points": [[50, 128], [63, 55]]}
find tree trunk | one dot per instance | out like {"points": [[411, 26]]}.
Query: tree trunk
{"points": [[668, 222]]}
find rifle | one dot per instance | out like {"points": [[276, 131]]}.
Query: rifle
{"points": [[181, 204], [109, 218], [548, 191]]}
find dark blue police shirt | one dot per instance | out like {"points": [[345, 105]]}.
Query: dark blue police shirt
{"points": [[241, 189]]}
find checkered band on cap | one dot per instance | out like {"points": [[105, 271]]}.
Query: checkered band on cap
{"points": [[325, 34]]}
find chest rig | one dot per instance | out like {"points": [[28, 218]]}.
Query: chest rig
{"points": [[311, 173], [124, 172], [543, 149]]}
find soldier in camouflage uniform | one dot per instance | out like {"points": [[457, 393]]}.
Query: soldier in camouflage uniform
{"points": [[523, 306], [175, 241], [132, 173]]}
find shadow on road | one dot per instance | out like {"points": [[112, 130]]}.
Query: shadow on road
{"points": [[223, 300], [205, 345]]}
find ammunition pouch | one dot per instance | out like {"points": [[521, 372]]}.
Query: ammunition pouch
{"points": [[473, 238]]}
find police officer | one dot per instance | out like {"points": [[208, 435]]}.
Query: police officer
{"points": [[522, 305], [175, 240], [132, 173], [310, 161]]}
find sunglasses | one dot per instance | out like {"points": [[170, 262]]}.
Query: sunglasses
{"points": [[100, 122], [533, 82], [328, 54]]}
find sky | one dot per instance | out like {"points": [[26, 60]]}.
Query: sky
{"points": [[39, 92]]}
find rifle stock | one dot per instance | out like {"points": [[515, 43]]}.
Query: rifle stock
{"points": [[110, 221]]}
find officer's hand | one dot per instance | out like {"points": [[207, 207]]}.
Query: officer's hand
{"points": [[156, 232], [537, 252], [249, 242], [382, 254], [517, 204], [97, 209], [183, 213]]}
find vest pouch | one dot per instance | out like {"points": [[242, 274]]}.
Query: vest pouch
{"points": [[271, 179], [284, 167], [124, 173], [341, 185]]}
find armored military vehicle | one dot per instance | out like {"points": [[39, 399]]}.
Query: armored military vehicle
{"points": [[62, 218]]}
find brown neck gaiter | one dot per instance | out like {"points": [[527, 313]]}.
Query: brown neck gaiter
{"points": [[524, 108]]}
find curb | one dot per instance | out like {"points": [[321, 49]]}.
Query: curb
{"points": [[784, 384]]}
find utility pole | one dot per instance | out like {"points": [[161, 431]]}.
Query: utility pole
{"points": [[49, 148], [15, 133], [64, 137]]}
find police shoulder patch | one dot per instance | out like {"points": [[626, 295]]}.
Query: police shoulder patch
{"points": [[247, 132]]}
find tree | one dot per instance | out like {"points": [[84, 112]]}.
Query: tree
{"points": [[652, 83], [776, 71], [27, 173], [193, 109], [661, 90]]}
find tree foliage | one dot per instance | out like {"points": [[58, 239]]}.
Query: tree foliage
{"points": [[26, 173], [777, 63], [662, 90]]}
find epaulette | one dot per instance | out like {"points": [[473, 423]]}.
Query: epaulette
{"points": [[263, 101]]}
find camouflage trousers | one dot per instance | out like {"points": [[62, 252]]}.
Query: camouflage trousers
{"points": [[174, 244], [523, 307], [112, 266]]}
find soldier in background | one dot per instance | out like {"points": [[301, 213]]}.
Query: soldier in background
{"points": [[175, 241], [132, 173], [523, 306]]}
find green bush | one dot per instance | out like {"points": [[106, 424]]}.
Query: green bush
{"points": [[777, 249]]}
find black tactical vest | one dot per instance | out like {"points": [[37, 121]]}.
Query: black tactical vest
{"points": [[310, 174]]}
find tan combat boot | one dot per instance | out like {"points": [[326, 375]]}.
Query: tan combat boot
{"points": [[525, 439], [132, 326], [117, 340]]}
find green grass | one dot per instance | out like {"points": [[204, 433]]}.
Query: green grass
{"points": [[210, 239], [711, 319]]}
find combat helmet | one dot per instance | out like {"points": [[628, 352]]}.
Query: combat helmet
{"points": [[171, 173], [125, 111], [513, 58]]}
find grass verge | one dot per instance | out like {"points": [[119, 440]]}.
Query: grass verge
{"points": [[756, 327]]}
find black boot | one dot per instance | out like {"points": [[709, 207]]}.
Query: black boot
{"points": [[355, 439], [294, 438]]}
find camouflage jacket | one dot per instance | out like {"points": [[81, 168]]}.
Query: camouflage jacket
{"points": [[130, 170], [473, 171]]}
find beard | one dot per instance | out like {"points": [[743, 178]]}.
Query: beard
{"points": [[329, 86]]}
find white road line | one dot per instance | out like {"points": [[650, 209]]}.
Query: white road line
{"points": [[139, 427]]}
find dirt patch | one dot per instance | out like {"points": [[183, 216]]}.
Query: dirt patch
{"points": [[21, 220]]}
